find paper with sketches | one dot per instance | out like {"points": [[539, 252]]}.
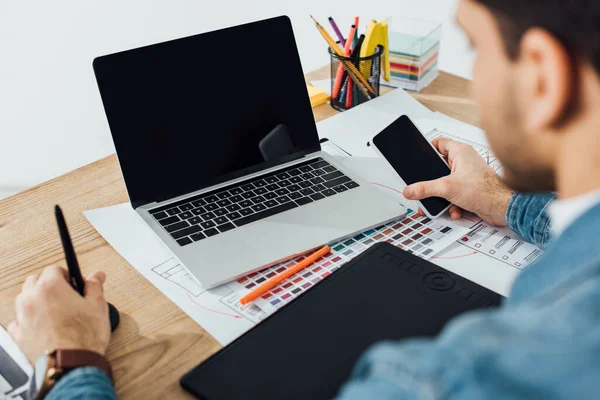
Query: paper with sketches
{"points": [[219, 310]]}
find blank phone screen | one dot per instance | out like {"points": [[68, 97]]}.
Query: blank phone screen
{"points": [[413, 158]]}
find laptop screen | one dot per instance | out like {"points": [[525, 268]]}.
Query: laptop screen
{"points": [[192, 112]]}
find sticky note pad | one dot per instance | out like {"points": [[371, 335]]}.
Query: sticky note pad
{"points": [[317, 96]]}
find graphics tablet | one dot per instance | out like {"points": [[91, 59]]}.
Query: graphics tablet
{"points": [[308, 349]]}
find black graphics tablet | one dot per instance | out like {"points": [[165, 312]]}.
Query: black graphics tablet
{"points": [[308, 349]]}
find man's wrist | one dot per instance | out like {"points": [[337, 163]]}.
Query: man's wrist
{"points": [[502, 196], [54, 365], [503, 200]]}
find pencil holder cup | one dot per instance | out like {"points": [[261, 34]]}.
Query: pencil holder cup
{"points": [[354, 80]]}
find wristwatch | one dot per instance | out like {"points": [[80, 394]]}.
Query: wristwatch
{"points": [[55, 364]]}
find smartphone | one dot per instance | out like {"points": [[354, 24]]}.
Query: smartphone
{"points": [[414, 159]]}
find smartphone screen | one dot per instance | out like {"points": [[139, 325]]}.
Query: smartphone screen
{"points": [[413, 158]]}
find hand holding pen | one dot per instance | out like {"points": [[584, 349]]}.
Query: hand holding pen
{"points": [[75, 277], [51, 315]]}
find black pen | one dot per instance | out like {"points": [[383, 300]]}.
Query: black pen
{"points": [[72, 264], [75, 276]]}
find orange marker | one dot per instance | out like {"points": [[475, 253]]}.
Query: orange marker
{"points": [[276, 280], [340, 72]]}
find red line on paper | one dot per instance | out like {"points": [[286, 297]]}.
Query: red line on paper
{"points": [[211, 310], [387, 187], [452, 258]]}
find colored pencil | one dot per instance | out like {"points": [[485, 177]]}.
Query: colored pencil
{"points": [[276, 280]]}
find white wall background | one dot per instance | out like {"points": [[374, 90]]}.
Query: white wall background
{"points": [[51, 116]]}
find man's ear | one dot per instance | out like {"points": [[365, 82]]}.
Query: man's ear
{"points": [[546, 80]]}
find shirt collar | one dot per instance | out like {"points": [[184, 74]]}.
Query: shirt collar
{"points": [[564, 212]]}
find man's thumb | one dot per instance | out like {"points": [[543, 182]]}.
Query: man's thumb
{"points": [[424, 190], [95, 283], [99, 276]]}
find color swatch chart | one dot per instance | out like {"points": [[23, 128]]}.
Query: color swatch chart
{"points": [[483, 151], [501, 244], [415, 234]]}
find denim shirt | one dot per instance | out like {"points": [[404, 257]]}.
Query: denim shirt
{"points": [[542, 343], [87, 383]]}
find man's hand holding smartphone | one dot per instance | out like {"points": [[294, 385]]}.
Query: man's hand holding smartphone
{"points": [[413, 158], [472, 184]]}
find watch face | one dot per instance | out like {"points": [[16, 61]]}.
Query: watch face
{"points": [[39, 373]]}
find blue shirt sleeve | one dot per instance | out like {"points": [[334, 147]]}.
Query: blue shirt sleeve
{"points": [[526, 215], [493, 355], [87, 383]]}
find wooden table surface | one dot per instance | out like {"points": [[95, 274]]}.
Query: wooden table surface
{"points": [[156, 342]]}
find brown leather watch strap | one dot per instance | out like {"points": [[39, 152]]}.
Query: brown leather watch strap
{"points": [[68, 359]]}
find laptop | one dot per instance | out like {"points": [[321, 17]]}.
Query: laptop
{"points": [[220, 154]]}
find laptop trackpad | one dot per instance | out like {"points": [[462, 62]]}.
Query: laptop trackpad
{"points": [[280, 237]]}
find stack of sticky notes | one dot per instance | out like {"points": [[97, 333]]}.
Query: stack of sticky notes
{"points": [[408, 70], [414, 53], [317, 96]]}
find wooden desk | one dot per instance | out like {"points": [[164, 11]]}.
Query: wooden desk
{"points": [[156, 342]]}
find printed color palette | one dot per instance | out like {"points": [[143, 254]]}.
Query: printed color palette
{"points": [[418, 235]]}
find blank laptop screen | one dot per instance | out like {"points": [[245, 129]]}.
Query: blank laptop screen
{"points": [[189, 113]]}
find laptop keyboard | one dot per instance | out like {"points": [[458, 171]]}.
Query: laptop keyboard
{"points": [[210, 214]]}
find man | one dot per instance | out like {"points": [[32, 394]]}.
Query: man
{"points": [[537, 80]]}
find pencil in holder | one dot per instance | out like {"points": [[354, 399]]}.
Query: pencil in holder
{"points": [[354, 80]]}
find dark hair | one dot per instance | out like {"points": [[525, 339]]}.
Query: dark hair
{"points": [[576, 23]]}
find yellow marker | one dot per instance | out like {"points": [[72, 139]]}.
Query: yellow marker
{"points": [[356, 76], [377, 35], [367, 46]]}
